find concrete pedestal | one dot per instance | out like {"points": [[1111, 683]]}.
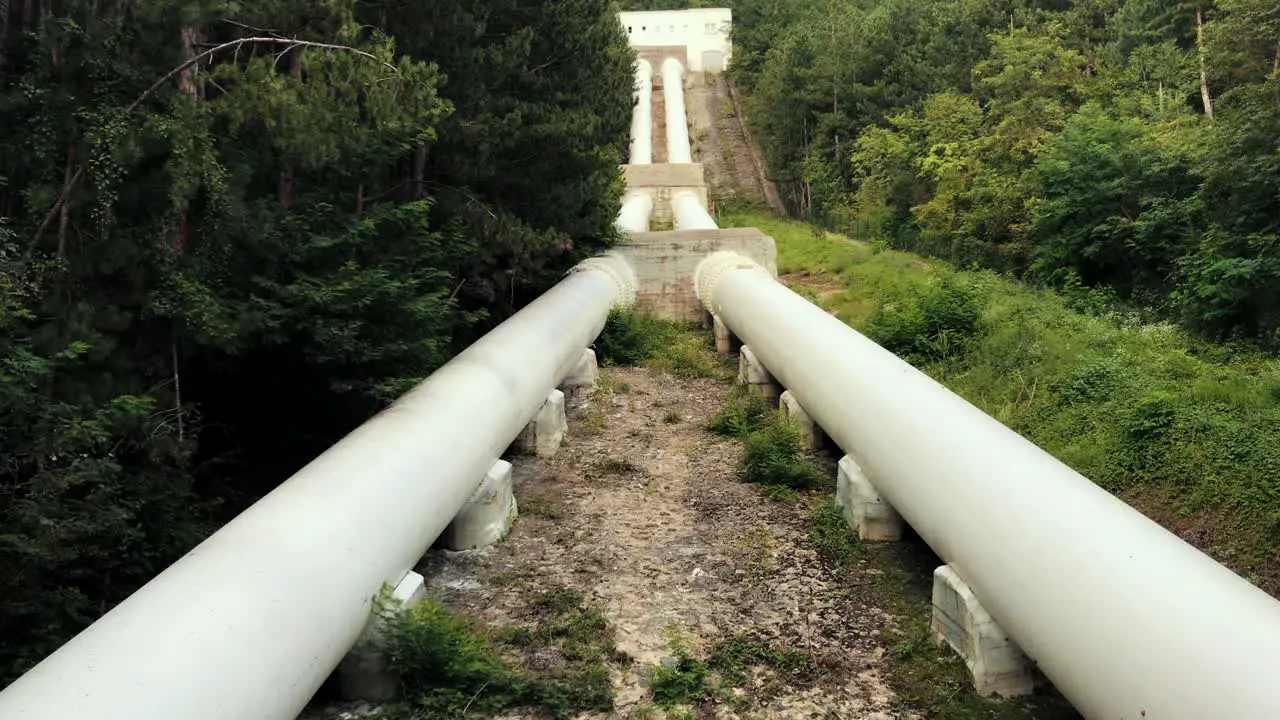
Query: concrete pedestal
{"points": [[726, 343], [583, 377], [363, 673], [544, 433], [752, 373], [810, 433], [996, 663], [487, 516], [864, 509]]}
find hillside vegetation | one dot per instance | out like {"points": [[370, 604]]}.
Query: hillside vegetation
{"points": [[1186, 430], [229, 232], [1129, 145]]}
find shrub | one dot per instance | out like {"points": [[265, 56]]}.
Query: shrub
{"points": [[773, 455], [743, 412], [935, 324]]}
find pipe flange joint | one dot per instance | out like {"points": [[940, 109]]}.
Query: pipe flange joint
{"points": [[713, 267], [618, 269]]}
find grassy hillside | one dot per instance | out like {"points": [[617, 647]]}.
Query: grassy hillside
{"points": [[1186, 431]]}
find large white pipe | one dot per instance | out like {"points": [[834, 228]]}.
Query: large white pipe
{"points": [[690, 213], [642, 116], [249, 624], [1127, 620], [637, 208], [678, 150]]}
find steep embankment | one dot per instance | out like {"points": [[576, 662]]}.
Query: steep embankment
{"points": [[732, 164], [1186, 431]]}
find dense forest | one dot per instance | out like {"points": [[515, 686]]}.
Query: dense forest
{"points": [[229, 232], [1126, 145]]}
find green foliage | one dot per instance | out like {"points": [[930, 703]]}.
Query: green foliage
{"points": [[772, 455], [1066, 142], [747, 650], [836, 543], [681, 683], [310, 229], [443, 664], [744, 412], [932, 324], [632, 339], [448, 668], [684, 679]]}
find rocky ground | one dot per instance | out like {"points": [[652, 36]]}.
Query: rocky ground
{"points": [[642, 512]]}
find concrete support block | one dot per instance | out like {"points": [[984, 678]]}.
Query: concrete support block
{"points": [[726, 343], [753, 374], [810, 433], [864, 509], [363, 674], [583, 377], [488, 515], [544, 433], [959, 620]]}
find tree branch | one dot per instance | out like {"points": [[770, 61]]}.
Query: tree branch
{"points": [[233, 44]]}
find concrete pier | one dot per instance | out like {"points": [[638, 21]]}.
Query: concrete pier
{"points": [[544, 433], [810, 434], [584, 376], [753, 374], [995, 661], [864, 509], [363, 673], [488, 515]]}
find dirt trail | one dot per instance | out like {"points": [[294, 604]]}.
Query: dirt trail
{"points": [[642, 513]]}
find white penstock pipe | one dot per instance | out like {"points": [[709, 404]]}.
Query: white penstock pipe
{"points": [[678, 149], [642, 116], [248, 624], [1126, 619]]}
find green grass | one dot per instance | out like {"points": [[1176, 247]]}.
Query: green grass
{"points": [[1186, 430], [686, 680], [630, 339], [772, 454], [448, 667]]}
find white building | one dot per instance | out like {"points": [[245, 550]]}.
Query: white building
{"points": [[703, 33]]}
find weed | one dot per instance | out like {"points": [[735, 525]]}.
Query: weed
{"points": [[614, 466], [742, 413], [671, 417], [781, 493], [836, 542], [684, 681], [734, 657], [773, 455], [684, 351], [447, 668]]}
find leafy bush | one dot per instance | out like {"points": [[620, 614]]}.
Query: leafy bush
{"points": [[773, 455], [446, 666], [630, 339], [935, 324], [443, 664], [743, 412], [684, 682]]}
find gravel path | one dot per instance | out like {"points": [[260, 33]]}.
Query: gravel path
{"points": [[643, 514]]}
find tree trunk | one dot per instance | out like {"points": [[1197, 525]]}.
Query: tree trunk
{"points": [[189, 84], [1205, 97], [286, 188], [64, 213], [419, 171]]}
